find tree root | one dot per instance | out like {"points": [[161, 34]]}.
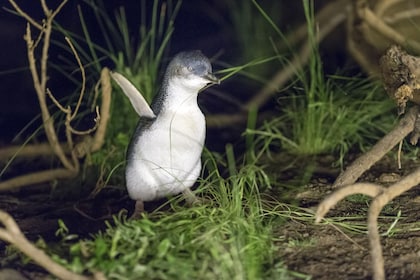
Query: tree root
{"points": [[400, 73], [381, 196], [365, 161]]}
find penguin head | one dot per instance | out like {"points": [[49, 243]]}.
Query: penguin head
{"points": [[192, 69]]}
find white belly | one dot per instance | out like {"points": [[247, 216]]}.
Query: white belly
{"points": [[167, 157]]}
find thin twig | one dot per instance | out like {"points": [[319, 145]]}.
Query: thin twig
{"points": [[106, 87], [375, 208], [399, 154], [82, 71], [330, 201], [296, 64], [376, 23], [36, 178], [39, 81], [58, 9], [45, 8], [29, 150], [57, 103], [25, 15], [346, 236]]}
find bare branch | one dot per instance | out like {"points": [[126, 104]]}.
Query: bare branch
{"points": [[374, 210], [106, 87], [382, 28], [57, 103], [30, 150], [40, 80], [56, 11], [36, 178], [25, 15], [82, 71], [12, 234], [369, 189], [364, 162]]}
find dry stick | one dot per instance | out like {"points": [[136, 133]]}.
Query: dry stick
{"points": [[407, 15], [382, 28], [25, 15], [381, 196], [45, 149], [29, 151], [382, 6], [40, 80], [12, 234], [61, 150], [106, 87], [82, 72], [375, 208], [354, 44], [36, 178], [364, 162], [330, 201]]}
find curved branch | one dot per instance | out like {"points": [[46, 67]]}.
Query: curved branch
{"points": [[384, 29], [330, 201], [37, 178], [12, 234], [106, 87], [25, 15], [375, 208], [365, 161]]}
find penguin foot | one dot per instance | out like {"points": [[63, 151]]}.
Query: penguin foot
{"points": [[192, 199], [138, 209]]}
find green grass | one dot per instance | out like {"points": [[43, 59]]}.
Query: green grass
{"points": [[325, 115], [229, 237], [234, 235], [335, 115]]}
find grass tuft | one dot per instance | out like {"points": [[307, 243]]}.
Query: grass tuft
{"points": [[229, 237]]}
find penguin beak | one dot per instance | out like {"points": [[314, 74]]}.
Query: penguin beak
{"points": [[211, 78]]}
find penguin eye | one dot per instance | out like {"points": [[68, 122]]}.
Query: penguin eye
{"points": [[189, 68], [178, 71]]}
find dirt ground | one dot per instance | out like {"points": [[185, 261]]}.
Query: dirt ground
{"points": [[322, 251], [330, 252]]}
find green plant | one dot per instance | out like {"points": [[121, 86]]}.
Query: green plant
{"points": [[139, 59], [254, 35], [323, 115], [228, 237]]}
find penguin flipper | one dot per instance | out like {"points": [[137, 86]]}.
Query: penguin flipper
{"points": [[137, 100]]}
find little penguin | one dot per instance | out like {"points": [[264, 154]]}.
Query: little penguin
{"points": [[164, 155]]}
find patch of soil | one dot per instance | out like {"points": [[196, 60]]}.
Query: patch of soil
{"points": [[331, 252], [334, 255]]}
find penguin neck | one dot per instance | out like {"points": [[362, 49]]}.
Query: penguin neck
{"points": [[176, 96]]}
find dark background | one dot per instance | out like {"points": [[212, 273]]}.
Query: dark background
{"points": [[205, 25]]}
